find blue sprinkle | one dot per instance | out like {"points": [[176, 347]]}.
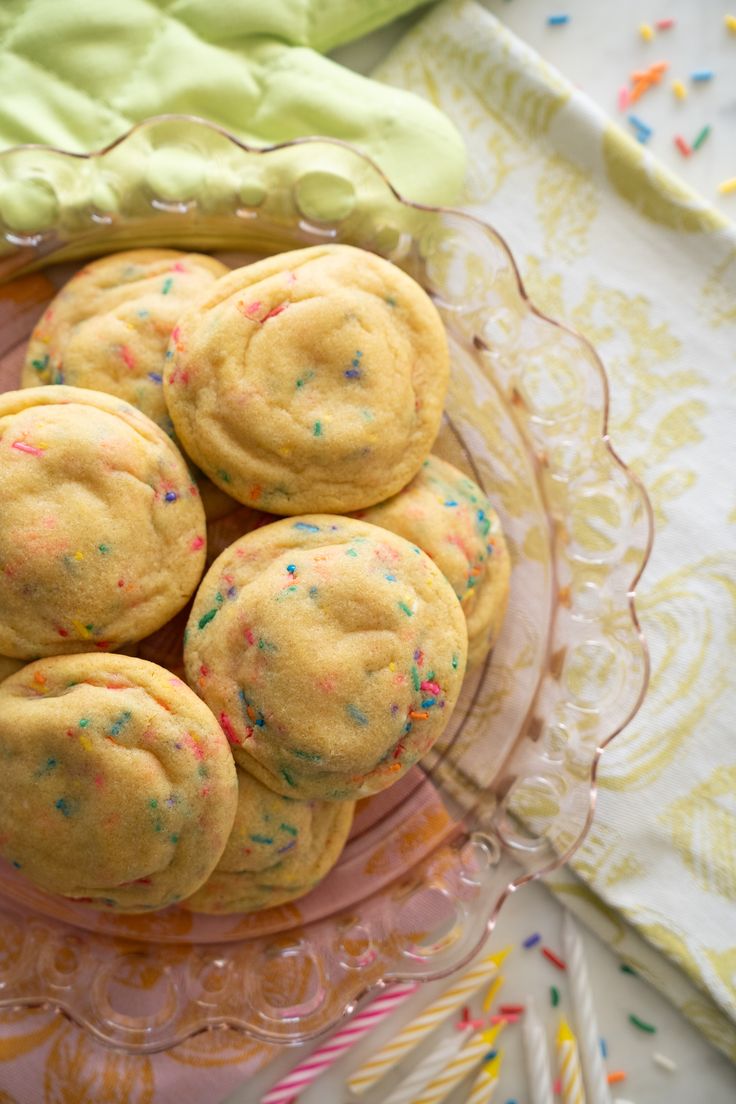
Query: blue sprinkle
{"points": [[63, 806], [450, 502], [155, 376], [355, 714], [702, 75], [407, 726], [557, 20], [604, 1048], [291, 568], [260, 722], [232, 592], [171, 496], [353, 373], [391, 578], [305, 525], [532, 940], [428, 703], [16, 864]]}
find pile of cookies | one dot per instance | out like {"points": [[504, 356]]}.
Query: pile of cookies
{"points": [[326, 644]]}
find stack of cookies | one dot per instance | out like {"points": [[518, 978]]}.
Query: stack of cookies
{"points": [[354, 576]]}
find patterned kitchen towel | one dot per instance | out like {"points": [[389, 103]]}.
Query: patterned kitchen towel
{"points": [[610, 241]]}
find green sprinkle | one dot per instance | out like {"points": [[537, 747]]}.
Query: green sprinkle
{"points": [[168, 284], [84, 722], [305, 379], [118, 724], [63, 806], [41, 365], [202, 771], [642, 1024], [287, 777], [290, 829], [224, 476], [626, 969], [317, 431], [207, 617], [701, 137], [390, 300], [153, 803], [454, 663], [103, 548], [262, 839], [351, 552], [174, 838], [48, 766], [403, 606], [415, 678], [554, 995], [356, 714], [311, 756]]}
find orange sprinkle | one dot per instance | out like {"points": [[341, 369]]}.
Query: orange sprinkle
{"points": [[39, 678], [251, 712], [418, 716], [615, 1077]]}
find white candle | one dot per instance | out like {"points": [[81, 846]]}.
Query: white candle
{"points": [[586, 1022], [538, 1069]]}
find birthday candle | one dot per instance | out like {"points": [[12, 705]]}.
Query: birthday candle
{"points": [[539, 1074], [439, 1010], [568, 1065], [484, 1086], [586, 1022], [296, 1080], [445, 1052], [443, 1084]]}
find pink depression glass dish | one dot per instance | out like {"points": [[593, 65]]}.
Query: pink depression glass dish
{"points": [[509, 792]]}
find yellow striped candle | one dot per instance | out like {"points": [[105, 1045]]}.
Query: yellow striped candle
{"points": [[442, 1085], [484, 1086], [374, 1068], [568, 1065]]}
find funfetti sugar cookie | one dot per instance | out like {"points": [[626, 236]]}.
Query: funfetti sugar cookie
{"points": [[102, 533], [279, 849], [313, 380], [109, 327], [452, 520], [119, 787], [331, 651], [9, 666]]}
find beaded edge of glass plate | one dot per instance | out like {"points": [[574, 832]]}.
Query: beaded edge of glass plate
{"points": [[176, 178]]}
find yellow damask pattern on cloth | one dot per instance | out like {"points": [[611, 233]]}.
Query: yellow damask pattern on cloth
{"points": [[610, 241]]}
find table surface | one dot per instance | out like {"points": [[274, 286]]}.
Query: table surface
{"points": [[597, 50]]}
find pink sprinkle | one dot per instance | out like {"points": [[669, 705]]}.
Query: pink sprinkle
{"points": [[623, 98], [431, 686], [557, 1087], [249, 636], [127, 357], [664, 24], [178, 267], [21, 446], [252, 309], [175, 334], [274, 311], [197, 543], [227, 728]]}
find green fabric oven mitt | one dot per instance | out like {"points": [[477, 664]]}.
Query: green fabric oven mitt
{"points": [[76, 75]]}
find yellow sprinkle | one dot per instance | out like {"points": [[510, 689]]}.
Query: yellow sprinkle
{"points": [[680, 90], [727, 186], [730, 21], [647, 32], [492, 992], [85, 742], [78, 555], [392, 666], [81, 630]]}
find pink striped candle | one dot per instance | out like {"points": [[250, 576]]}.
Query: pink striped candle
{"points": [[297, 1080]]}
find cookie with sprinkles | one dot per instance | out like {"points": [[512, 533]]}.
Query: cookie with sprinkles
{"points": [[108, 330], [310, 381], [279, 849], [103, 532], [331, 651], [120, 789], [452, 520]]}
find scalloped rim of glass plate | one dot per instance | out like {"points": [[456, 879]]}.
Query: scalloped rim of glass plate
{"points": [[632, 477]]}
